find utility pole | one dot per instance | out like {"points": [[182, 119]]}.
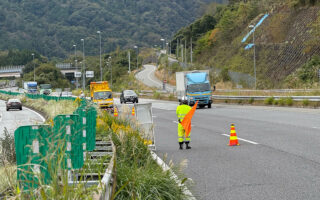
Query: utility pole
{"points": [[191, 51], [34, 71], [185, 50], [75, 62], [254, 58], [129, 61], [99, 32], [177, 49], [182, 53], [84, 68]]}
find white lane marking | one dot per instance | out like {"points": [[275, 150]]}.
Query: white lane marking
{"points": [[42, 118], [241, 139], [154, 116], [165, 168], [316, 127]]}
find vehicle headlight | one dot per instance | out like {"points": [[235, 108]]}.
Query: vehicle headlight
{"points": [[191, 98]]}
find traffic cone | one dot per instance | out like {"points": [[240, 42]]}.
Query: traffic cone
{"points": [[133, 113], [115, 112], [233, 137]]}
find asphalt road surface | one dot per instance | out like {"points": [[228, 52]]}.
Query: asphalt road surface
{"points": [[12, 119], [148, 78], [278, 156]]}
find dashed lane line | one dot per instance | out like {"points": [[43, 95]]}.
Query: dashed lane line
{"points": [[241, 139]]}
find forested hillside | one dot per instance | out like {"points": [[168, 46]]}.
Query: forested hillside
{"points": [[287, 41], [52, 27]]}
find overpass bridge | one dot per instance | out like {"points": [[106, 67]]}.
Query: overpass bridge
{"points": [[11, 71]]}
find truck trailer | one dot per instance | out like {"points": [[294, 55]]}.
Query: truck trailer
{"points": [[194, 86]]}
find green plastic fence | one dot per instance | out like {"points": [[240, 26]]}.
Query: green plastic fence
{"points": [[31, 143], [39, 147]]}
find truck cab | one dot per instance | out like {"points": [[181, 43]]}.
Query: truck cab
{"points": [[198, 89], [30, 87], [101, 94]]}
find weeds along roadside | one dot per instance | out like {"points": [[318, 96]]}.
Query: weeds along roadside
{"points": [[58, 187], [137, 175]]}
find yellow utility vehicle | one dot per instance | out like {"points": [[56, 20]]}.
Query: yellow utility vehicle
{"points": [[101, 94]]}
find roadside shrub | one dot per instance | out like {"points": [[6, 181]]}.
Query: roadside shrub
{"points": [[276, 102], [251, 100], [281, 102], [224, 75], [240, 101], [289, 101], [305, 102], [156, 95], [171, 97], [8, 152], [269, 101]]}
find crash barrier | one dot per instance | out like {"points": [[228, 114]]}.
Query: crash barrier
{"points": [[142, 114], [42, 150], [294, 98], [38, 96]]}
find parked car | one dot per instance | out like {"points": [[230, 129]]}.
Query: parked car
{"points": [[14, 104], [128, 96]]}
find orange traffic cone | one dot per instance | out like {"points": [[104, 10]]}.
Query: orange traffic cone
{"points": [[233, 137], [133, 113], [115, 112]]}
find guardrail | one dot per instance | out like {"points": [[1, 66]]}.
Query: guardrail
{"points": [[295, 98]]}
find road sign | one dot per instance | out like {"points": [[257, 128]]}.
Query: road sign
{"points": [[77, 74], [89, 74]]}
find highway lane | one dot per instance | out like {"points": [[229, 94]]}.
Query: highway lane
{"points": [[148, 78], [12, 119], [284, 164]]}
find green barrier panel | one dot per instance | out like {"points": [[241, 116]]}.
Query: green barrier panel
{"points": [[31, 144], [65, 128], [91, 128], [81, 111]]}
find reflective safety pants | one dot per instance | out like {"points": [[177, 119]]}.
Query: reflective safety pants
{"points": [[181, 134]]}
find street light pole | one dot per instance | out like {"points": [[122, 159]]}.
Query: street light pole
{"points": [[136, 47], [84, 68], [162, 42], [34, 71], [254, 58], [75, 62], [99, 32], [129, 61], [110, 62]]}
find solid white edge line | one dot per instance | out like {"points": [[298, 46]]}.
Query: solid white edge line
{"points": [[42, 118], [165, 167], [242, 139]]}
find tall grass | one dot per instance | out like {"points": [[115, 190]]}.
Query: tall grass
{"points": [[137, 175]]}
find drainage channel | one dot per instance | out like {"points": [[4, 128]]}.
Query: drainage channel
{"points": [[97, 170]]}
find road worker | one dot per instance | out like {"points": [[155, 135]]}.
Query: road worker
{"points": [[181, 112]]}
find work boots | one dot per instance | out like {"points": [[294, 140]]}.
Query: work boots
{"points": [[181, 145], [188, 147]]}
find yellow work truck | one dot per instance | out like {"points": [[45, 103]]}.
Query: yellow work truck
{"points": [[101, 94]]}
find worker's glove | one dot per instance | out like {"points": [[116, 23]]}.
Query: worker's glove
{"points": [[179, 120]]}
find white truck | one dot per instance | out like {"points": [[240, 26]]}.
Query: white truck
{"points": [[194, 86], [30, 87]]}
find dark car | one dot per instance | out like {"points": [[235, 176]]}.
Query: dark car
{"points": [[14, 104], [128, 96]]}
